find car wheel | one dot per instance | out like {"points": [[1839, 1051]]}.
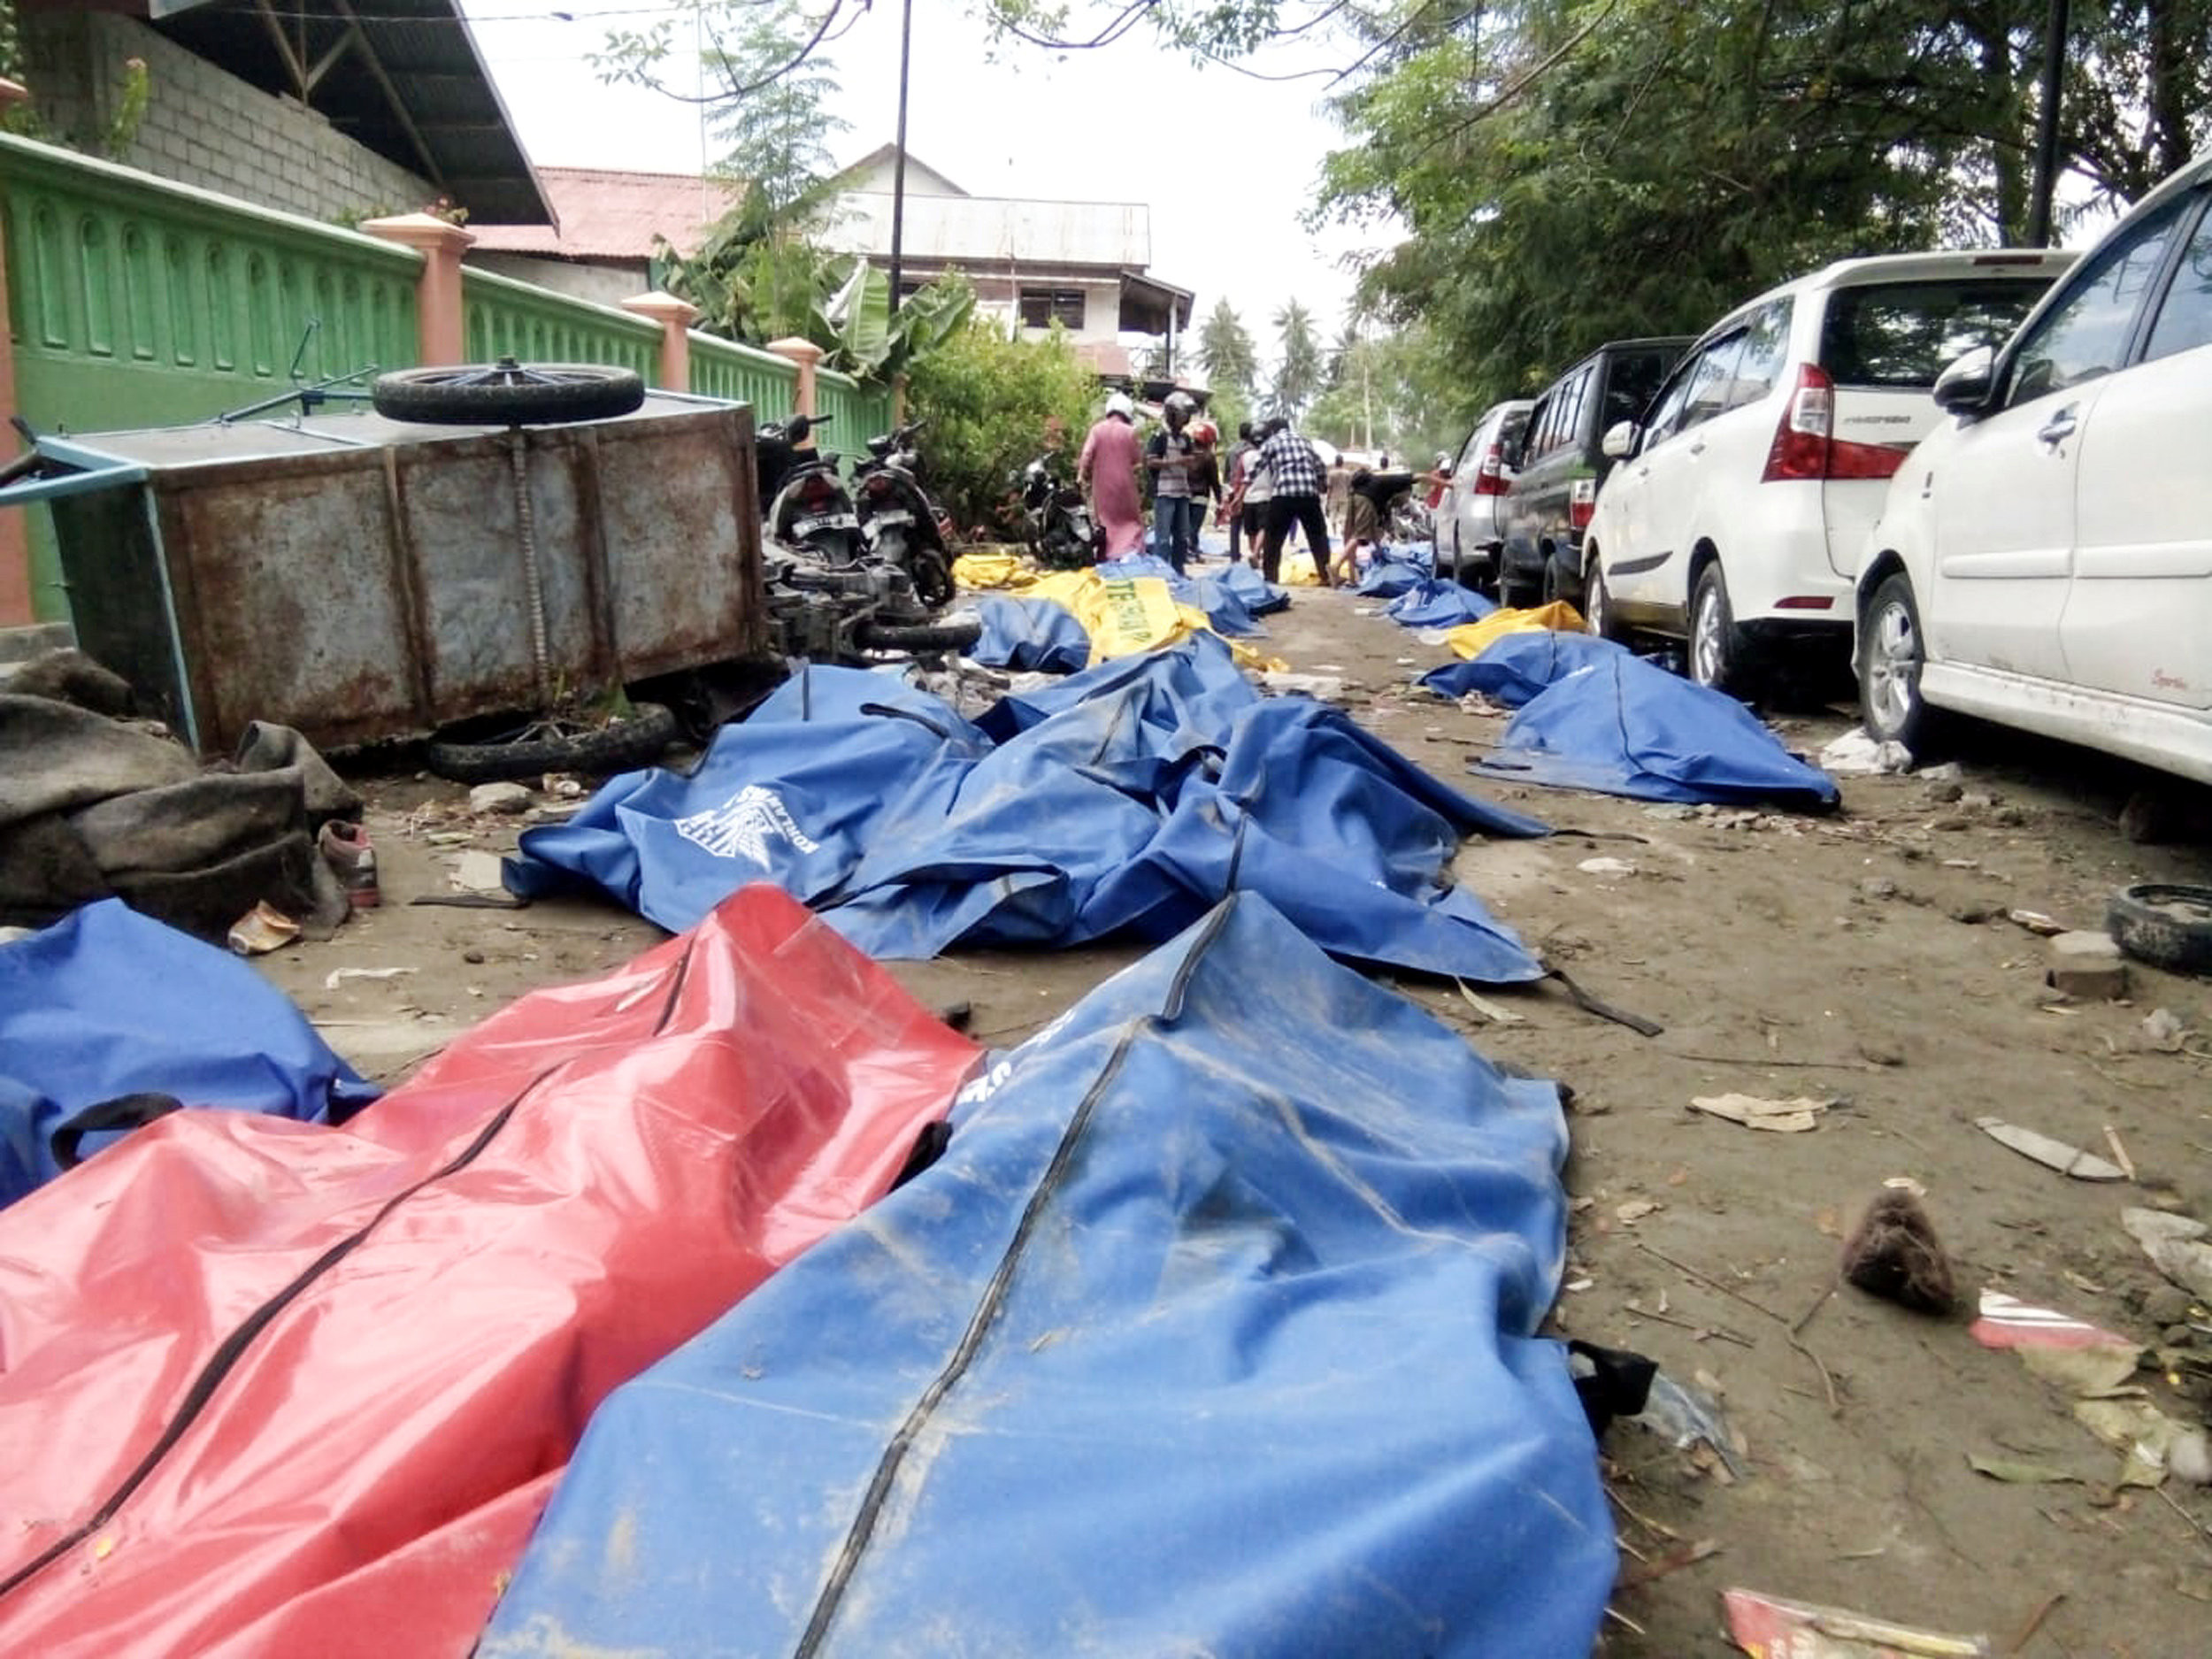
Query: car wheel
{"points": [[507, 393], [1891, 657], [2166, 923], [1516, 593], [1720, 657], [1597, 605]]}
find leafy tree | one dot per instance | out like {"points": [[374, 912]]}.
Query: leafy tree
{"points": [[991, 404], [1298, 371], [1225, 351]]}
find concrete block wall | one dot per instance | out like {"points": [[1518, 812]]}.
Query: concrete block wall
{"points": [[206, 127]]}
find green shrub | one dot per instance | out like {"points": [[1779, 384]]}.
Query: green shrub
{"points": [[992, 405]]}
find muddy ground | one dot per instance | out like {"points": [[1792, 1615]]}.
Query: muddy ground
{"points": [[1862, 960]]}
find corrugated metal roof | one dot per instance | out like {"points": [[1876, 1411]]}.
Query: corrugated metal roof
{"points": [[993, 230], [412, 87], [610, 215]]}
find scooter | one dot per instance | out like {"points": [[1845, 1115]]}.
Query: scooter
{"points": [[1056, 520], [830, 598], [899, 522], [808, 504]]}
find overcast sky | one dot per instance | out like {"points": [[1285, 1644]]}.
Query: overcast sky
{"points": [[1226, 162]]}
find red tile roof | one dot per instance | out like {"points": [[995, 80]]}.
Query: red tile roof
{"points": [[609, 215]]}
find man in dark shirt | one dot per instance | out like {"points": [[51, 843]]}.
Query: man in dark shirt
{"points": [[1169, 457], [1300, 480]]}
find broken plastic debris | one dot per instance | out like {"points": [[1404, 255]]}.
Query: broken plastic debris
{"points": [[2036, 922], [261, 930], [2056, 1154], [477, 872], [1855, 752], [1687, 1417], [1785, 1117], [1605, 867], [338, 976], [1768, 1627], [2019, 1472], [2007, 1322]]}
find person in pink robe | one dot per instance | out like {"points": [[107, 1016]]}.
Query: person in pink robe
{"points": [[1107, 470]]}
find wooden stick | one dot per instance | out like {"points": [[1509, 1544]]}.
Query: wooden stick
{"points": [[2119, 1153]]}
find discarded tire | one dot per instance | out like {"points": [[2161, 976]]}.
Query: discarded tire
{"points": [[2166, 923], [924, 636], [507, 393], [635, 740]]}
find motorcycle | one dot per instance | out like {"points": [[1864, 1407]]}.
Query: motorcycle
{"points": [[1056, 520], [899, 522], [830, 597]]}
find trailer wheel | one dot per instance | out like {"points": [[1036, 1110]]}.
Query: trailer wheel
{"points": [[636, 740], [507, 394]]}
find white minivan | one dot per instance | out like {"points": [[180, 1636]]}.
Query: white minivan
{"points": [[2045, 558], [1468, 528], [1735, 513]]}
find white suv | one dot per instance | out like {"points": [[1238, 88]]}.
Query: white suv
{"points": [[1736, 512], [1469, 529], [2045, 559]]}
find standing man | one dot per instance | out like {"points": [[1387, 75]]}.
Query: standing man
{"points": [[1299, 479], [1169, 459], [1233, 503]]}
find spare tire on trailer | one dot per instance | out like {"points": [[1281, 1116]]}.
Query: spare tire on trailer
{"points": [[507, 394]]}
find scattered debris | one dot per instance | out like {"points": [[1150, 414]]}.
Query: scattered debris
{"points": [[339, 976], [261, 930], [477, 872], [1687, 1416], [2086, 965], [2036, 922], [1605, 867], [504, 799], [1635, 1209], [2189, 1456], [2177, 1248], [1856, 753], [1785, 1117], [1768, 1627], [2119, 1153], [2006, 1322], [1327, 688], [2163, 1031], [1893, 1253], [1497, 1014], [2144, 1434], [2056, 1154]]}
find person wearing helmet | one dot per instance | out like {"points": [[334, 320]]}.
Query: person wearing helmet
{"points": [[1107, 471], [1438, 479], [1205, 477]]}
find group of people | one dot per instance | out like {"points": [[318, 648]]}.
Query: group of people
{"points": [[1273, 481]]}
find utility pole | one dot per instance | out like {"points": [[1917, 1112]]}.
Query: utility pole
{"points": [[2046, 127], [898, 163]]}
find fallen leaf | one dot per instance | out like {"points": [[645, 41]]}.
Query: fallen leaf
{"points": [[2019, 1472], [1635, 1209]]}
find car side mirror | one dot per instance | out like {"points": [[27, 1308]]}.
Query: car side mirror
{"points": [[1619, 441], [1966, 383]]}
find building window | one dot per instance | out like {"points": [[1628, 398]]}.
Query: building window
{"points": [[1043, 307]]}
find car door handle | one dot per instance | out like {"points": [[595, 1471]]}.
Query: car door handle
{"points": [[2058, 430]]}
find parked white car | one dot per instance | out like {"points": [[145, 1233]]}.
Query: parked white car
{"points": [[2045, 559], [1735, 513], [1468, 528]]}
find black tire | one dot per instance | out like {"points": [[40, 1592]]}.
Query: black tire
{"points": [[1558, 589], [1890, 656], [507, 394], [919, 636], [2166, 924], [1719, 653], [1597, 605], [635, 740]]}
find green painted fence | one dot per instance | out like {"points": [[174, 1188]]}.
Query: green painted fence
{"points": [[857, 414], [133, 302], [746, 374], [501, 318]]}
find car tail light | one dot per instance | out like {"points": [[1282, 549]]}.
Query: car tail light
{"points": [[1806, 602], [1582, 500], [1490, 476], [1803, 448]]}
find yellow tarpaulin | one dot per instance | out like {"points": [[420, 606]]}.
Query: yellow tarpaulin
{"points": [[1470, 640], [1131, 614], [993, 569], [1298, 570]]}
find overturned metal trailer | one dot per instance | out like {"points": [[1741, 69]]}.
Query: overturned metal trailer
{"points": [[363, 579]]}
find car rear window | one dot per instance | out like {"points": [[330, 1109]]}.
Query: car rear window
{"points": [[1901, 334]]}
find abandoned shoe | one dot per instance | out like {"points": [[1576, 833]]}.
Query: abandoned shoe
{"points": [[346, 850]]}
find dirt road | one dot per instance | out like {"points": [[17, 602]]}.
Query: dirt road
{"points": [[1863, 961]]}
